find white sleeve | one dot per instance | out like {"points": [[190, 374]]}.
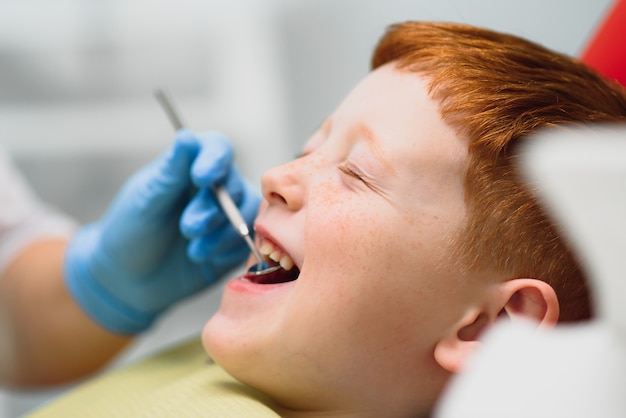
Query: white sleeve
{"points": [[24, 219]]}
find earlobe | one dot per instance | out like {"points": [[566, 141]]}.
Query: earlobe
{"points": [[517, 299], [452, 351]]}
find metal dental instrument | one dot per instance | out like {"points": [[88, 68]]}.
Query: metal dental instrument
{"points": [[224, 199]]}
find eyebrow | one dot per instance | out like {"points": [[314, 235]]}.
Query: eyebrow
{"points": [[363, 131], [366, 132]]}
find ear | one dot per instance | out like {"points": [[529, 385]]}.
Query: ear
{"points": [[517, 299], [529, 299]]}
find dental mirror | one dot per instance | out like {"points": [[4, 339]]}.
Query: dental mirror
{"points": [[224, 199]]}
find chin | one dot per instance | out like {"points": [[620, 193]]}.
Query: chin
{"points": [[227, 343], [217, 343]]}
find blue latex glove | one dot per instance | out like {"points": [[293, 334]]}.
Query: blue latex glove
{"points": [[135, 262]]}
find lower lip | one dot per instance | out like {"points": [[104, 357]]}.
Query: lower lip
{"points": [[243, 285]]}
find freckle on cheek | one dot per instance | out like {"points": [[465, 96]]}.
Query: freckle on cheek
{"points": [[324, 196]]}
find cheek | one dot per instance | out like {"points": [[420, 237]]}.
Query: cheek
{"points": [[355, 259], [377, 261], [347, 220], [366, 240]]}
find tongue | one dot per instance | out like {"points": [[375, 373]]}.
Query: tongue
{"points": [[278, 276]]}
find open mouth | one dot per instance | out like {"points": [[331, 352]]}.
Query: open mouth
{"points": [[279, 276], [275, 256]]}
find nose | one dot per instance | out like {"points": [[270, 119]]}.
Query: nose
{"points": [[284, 185]]}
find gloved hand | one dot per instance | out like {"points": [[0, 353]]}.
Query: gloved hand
{"points": [[128, 267]]}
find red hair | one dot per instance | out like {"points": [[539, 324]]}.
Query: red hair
{"points": [[495, 90]]}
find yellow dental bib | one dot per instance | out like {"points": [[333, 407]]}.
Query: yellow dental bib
{"points": [[181, 381]]}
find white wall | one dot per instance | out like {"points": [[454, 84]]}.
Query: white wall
{"points": [[76, 81], [78, 76]]}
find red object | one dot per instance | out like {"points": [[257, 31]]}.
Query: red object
{"points": [[606, 52]]}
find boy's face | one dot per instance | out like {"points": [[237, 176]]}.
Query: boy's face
{"points": [[367, 215]]}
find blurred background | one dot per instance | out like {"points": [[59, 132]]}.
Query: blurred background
{"points": [[78, 114]]}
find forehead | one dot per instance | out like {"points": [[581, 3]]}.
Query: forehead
{"points": [[393, 107]]}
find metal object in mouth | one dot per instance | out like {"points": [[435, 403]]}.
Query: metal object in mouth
{"points": [[261, 269]]}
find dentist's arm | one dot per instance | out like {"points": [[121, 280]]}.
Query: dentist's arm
{"points": [[45, 338]]}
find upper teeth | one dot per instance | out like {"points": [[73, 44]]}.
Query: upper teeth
{"points": [[276, 254]]}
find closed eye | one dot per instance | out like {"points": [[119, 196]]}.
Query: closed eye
{"points": [[349, 172], [352, 172], [363, 177]]}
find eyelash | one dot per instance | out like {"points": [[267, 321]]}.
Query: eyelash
{"points": [[344, 168]]}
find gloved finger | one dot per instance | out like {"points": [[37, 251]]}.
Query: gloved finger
{"points": [[201, 218], [222, 264], [202, 215], [207, 248], [228, 260], [213, 161], [175, 166], [234, 184], [228, 257]]}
